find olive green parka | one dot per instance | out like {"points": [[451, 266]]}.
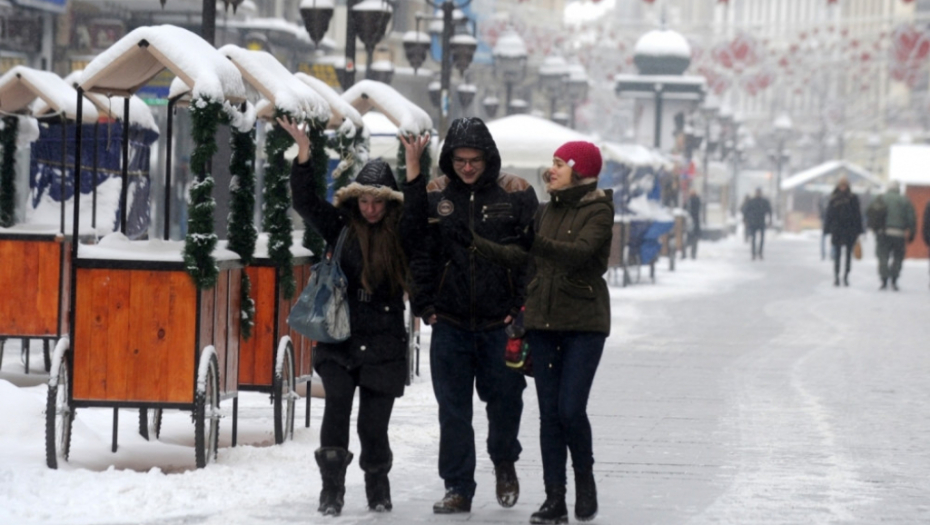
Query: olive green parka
{"points": [[569, 251]]}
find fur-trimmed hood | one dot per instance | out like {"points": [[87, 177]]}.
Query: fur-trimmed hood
{"points": [[375, 179]]}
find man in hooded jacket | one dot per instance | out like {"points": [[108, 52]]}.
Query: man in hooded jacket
{"points": [[469, 301]]}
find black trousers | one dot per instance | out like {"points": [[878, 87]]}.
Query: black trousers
{"points": [[839, 255], [374, 414], [761, 233]]}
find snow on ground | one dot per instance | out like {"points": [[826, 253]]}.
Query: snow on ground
{"points": [[695, 420]]}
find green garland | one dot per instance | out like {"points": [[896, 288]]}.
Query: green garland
{"points": [[425, 162], [312, 240], [275, 219], [8, 171], [201, 238], [242, 232]]}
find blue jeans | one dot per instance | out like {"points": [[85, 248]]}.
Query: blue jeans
{"points": [[460, 359], [564, 364]]}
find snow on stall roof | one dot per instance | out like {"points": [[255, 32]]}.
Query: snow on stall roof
{"points": [[828, 168], [663, 42], [140, 114], [128, 64], [526, 141], [645, 208], [273, 24], [21, 86], [406, 115], [263, 71], [634, 155], [117, 246], [340, 108], [178, 87]]}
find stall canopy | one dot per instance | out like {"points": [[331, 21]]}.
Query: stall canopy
{"points": [[409, 118], [528, 142], [823, 178], [26, 90]]}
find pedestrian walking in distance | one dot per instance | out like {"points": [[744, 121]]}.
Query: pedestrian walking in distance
{"points": [[757, 214], [373, 359], [926, 225], [891, 215], [843, 223], [469, 301], [693, 207], [567, 318]]}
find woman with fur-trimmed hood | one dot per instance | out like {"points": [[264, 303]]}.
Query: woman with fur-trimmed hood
{"points": [[567, 318], [373, 359]]}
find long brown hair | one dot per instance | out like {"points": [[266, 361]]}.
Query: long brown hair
{"points": [[383, 256]]}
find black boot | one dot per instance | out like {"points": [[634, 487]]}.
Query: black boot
{"points": [[508, 486], [378, 487], [836, 280], [585, 495], [553, 510], [333, 462]]}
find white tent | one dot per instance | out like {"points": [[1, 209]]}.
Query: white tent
{"points": [[823, 177], [528, 142]]}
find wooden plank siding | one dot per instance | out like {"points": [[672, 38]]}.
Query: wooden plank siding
{"points": [[30, 284], [303, 347]]}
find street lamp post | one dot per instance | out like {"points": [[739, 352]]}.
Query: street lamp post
{"points": [[783, 127], [553, 75], [510, 61], [458, 49], [576, 89], [708, 112]]}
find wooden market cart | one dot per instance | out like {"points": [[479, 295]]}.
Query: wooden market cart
{"points": [[143, 334]]}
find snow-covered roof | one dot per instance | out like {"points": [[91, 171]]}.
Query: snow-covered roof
{"points": [[140, 55], [526, 141], [908, 164], [663, 42], [407, 116], [21, 87], [634, 155], [263, 71], [833, 168], [140, 114], [341, 109]]}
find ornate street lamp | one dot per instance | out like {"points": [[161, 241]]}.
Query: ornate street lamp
{"points": [[708, 112], [510, 61], [783, 128], [381, 71], [371, 19], [576, 89], [316, 15], [435, 92], [416, 46], [553, 74], [466, 93], [517, 106], [460, 46], [490, 104]]}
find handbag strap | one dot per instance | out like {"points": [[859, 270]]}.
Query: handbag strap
{"points": [[337, 251]]}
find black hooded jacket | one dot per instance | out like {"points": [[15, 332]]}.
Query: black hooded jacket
{"points": [[378, 344], [450, 279]]}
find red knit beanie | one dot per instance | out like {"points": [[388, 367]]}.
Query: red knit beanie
{"points": [[583, 157]]}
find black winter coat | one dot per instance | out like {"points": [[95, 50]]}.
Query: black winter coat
{"points": [[926, 225], [843, 220], [378, 344], [450, 279], [755, 211]]}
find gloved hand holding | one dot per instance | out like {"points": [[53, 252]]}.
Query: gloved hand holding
{"points": [[456, 231], [527, 237]]}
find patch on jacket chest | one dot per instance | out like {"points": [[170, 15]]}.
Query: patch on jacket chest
{"points": [[445, 208]]}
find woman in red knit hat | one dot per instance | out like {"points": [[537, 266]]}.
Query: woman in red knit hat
{"points": [[567, 317]]}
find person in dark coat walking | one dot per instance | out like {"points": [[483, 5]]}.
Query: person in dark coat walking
{"points": [[755, 212], [373, 359], [926, 225], [468, 302], [693, 207], [567, 318], [843, 223]]}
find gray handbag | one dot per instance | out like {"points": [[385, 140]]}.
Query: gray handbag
{"points": [[321, 313]]}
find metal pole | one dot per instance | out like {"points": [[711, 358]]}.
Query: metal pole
{"points": [[124, 191], [93, 184], [571, 116], [77, 172], [168, 144], [208, 21], [446, 72], [657, 140], [349, 77], [706, 162], [509, 93]]}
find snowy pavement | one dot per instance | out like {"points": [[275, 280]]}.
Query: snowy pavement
{"points": [[730, 391]]}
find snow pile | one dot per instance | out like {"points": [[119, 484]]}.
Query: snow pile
{"points": [[277, 84], [243, 119], [409, 118], [47, 212], [117, 246], [21, 86], [644, 208], [212, 75], [661, 43], [340, 108]]}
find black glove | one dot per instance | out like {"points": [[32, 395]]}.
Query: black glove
{"points": [[527, 237], [456, 231]]}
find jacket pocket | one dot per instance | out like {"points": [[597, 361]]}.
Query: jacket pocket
{"points": [[496, 211], [576, 288]]}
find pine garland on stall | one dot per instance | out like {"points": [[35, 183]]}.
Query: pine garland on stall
{"points": [[425, 166], [8, 170], [312, 240], [201, 238], [275, 218], [242, 232]]}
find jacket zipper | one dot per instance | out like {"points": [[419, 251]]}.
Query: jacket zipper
{"points": [[471, 258]]}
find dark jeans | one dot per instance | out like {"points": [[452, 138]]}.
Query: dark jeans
{"points": [[752, 233], [458, 360], [693, 239], [890, 247], [838, 251], [564, 364], [374, 414]]}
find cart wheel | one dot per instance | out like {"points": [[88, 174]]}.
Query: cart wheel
{"points": [[206, 411], [58, 410], [150, 423], [284, 385]]}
